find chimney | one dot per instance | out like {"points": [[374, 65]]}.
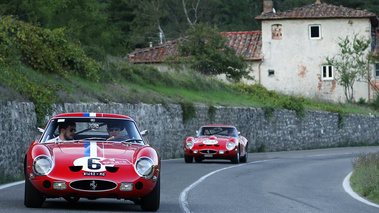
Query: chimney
{"points": [[267, 6]]}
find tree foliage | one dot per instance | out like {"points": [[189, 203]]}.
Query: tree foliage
{"points": [[206, 51], [45, 51], [350, 63], [117, 27]]}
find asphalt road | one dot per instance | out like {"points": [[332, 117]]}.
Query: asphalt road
{"points": [[296, 181]]}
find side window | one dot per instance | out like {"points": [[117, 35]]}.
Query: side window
{"points": [[327, 72], [377, 70], [314, 31], [276, 31]]}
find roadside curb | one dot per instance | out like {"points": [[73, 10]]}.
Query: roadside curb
{"points": [[349, 190]]}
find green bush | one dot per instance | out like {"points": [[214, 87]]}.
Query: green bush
{"points": [[45, 50], [361, 101], [293, 103], [269, 111], [188, 111], [256, 91], [375, 103], [212, 112]]}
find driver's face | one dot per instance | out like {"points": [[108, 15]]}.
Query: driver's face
{"points": [[113, 131], [69, 133]]}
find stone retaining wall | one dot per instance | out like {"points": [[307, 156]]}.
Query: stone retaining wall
{"points": [[167, 132]]}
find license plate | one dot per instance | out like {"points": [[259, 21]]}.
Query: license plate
{"points": [[208, 156]]}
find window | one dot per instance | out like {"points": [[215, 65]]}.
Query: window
{"points": [[276, 31], [327, 72], [377, 70], [271, 72], [315, 32]]}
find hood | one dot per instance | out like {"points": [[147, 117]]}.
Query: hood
{"points": [[94, 156], [211, 140]]}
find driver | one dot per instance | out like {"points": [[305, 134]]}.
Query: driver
{"points": [[114, 131], [66, 130]]}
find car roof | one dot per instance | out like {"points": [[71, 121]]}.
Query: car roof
{"points": [[94, 115], [213, 125]]}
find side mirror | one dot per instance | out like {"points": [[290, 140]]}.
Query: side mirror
{"points": [[40, 130], [144, 132]]}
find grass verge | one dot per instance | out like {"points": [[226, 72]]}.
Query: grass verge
{"points": [[365, 177]]}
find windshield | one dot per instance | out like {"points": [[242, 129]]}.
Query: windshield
{"points": [[111, 129], [222, 131]]}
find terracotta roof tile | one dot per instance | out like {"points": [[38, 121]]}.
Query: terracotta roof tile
{"points": [[247, 44], [326, 11]]}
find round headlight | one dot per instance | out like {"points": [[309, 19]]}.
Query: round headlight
{"points": [[189, 145], [230, 145], [42, 165], [144, 167]]}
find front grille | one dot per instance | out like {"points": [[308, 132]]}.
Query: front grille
{"points": [[216, 145], [208, 151], [93, 185]]}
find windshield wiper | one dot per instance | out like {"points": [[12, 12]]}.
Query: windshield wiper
{"points": [[132, 140]]}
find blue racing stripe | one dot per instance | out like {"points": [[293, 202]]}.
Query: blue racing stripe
{"points": [[87, 149]]}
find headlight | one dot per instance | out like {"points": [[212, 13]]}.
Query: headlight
{"points": [[189, 144], [144, 167], [230, 146], [42, 165]]}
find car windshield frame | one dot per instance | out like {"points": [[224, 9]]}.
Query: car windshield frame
{"points": [[89, 128], [207, 131]]}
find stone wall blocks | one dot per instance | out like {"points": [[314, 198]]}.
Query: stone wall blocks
{"points": [[167, 132]]}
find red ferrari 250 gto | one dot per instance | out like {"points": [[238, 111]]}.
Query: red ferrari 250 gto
{"points": [[92, 155], [216, 142]]}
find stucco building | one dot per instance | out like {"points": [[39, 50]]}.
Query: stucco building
{"points": [[289, 54]]}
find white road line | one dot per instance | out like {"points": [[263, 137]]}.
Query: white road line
{"points": [[183, 195], [11, 184], [349, 190]]}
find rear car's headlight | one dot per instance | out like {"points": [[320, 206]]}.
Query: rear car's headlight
{"points": [[42, 165], [189, 145], [230, 145], [144, 167]]}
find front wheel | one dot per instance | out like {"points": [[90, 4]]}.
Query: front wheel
{"points": [[198, 159], [32, 197], [236, 158], [151, 202], [188, 159], [244, 158]]}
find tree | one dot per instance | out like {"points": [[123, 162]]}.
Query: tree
{"points": [[206, 51], [350, 63]]}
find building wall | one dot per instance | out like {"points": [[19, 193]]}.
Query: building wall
{"points": [[296, 60], [167, 132]]}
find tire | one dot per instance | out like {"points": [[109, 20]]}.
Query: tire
{"points": [[72, 200], [188, 159], [236, 158], [151, 202], [244, 158], [32, 197], [198, 159]]}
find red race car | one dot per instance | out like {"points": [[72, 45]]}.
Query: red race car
{"points": [[92, 155], [216, 142]]}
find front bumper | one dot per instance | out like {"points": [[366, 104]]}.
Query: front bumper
{"points": [[121, 186], [211, 153]]}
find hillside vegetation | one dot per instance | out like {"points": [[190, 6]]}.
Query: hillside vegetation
{"points": [[39, 65]]}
